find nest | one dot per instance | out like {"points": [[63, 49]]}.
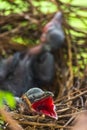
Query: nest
{"points": [[70, 85]]}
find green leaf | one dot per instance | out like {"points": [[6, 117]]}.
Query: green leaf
{"points": [[8, 98]]}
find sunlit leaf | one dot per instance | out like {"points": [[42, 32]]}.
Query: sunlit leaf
{"points": [[7, 98]]}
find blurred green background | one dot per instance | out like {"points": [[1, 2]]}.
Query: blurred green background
{"points": [[29, 16]]}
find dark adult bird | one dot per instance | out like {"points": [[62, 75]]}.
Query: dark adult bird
{"points": [[23, 71]]}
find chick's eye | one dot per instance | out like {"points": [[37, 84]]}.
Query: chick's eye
{"points": [[33, 97]]}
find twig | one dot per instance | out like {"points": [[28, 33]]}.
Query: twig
{"points": [[12, 124]]}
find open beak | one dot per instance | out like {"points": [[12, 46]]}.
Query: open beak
{"points": [[45, 106]]}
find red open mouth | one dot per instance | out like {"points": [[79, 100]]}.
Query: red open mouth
{"points": [[45, 106]]}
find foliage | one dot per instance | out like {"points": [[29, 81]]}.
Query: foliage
{"points": [[7, 98]]}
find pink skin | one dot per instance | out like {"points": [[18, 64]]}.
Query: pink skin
{"points": [[35, 50], [57, 20], [46, 107]]}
